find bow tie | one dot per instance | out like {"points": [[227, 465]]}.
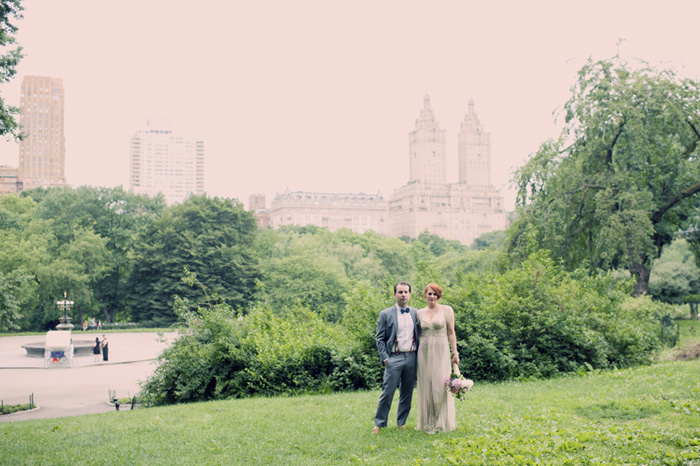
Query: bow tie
{"points": [[403, 311]]}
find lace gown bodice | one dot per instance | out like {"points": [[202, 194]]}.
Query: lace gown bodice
{"points": [[432, 327]]}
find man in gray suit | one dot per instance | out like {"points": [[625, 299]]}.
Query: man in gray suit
{"points": [[397, 342]]}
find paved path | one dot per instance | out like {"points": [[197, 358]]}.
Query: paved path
{"points": [[83, 388]]}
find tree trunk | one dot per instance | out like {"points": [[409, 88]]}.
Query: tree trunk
{"points": [[109, 312], [693, 311], [641, 273]]}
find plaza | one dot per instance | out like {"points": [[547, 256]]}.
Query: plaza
{"points": [[83, 388]]}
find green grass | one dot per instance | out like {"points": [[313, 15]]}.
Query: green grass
{"points": [[9, 409], [648, 415]]}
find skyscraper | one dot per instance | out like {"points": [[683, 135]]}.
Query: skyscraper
{"points": [[42, 152], [164, 162]]}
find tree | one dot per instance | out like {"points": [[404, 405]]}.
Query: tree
{"points": [[675, 274], [317, 283], [692, 234], [115, 215], [10, 289], [119, 217], [489, 240], [622, 178], [213, 238], [10, 10]]}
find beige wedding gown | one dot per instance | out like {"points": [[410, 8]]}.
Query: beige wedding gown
{"points": [[436, 406]]}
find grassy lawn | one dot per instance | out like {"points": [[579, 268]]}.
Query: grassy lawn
{"points": [[648, 415]]}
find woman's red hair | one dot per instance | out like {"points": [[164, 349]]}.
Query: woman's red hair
{"points": [[435, 287]]}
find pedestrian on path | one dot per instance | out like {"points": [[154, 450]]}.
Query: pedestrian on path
{"points": [[105, 348], [96, 350]]}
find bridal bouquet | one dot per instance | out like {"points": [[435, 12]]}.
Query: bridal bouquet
{"points": [[458, 385]]}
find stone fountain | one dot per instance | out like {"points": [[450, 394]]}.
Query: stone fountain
{"points": [[80, 347]]}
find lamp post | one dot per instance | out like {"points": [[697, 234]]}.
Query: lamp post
{"points": [[65, 306]]}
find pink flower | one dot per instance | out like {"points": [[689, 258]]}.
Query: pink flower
{"points": [[458, 385]]}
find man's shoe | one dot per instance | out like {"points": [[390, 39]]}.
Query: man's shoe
{"points": [[400, 427], [375, 430]]}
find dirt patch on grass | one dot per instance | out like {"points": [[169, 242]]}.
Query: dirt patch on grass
{"points": [[686, 354]]}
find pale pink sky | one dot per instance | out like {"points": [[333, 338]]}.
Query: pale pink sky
{"points": [[321, 95]]}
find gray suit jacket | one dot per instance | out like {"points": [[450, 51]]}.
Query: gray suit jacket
{"points": [[387, 326]]}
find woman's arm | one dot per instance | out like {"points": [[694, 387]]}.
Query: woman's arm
{"points": [[451, 335]]}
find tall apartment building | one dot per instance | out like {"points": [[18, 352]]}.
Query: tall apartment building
{"points": [[42, 152], [461, 210], [164, 162]]}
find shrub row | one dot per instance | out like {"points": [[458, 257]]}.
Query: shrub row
{"points": [[539, 320], [225, 354], [534, 321]]}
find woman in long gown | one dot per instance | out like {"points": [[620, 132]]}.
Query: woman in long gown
{"points": [[436, 406]]}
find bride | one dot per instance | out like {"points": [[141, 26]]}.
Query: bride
{"points": [[436, 406]]}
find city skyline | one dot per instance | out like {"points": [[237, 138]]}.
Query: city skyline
{"points": [[317, 96]]}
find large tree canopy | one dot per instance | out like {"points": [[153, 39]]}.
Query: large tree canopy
{"points": [[212, 237], [10, 55], [624, 175]]}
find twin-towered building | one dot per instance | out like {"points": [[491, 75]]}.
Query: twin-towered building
{"points": [[461, 210]]}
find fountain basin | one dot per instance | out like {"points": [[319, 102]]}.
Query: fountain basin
{"points": [[80, 348]]}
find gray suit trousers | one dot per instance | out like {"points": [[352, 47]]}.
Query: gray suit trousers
{"points": [[400, 370]]}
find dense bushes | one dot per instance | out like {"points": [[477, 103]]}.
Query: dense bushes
{"points": [[534, 321], [539, 320], [224, 354]]}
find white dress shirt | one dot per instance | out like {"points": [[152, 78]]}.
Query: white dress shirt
{"points": [[405, 331]]}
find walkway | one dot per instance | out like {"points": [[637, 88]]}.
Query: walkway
{"points": [[82, 389]]}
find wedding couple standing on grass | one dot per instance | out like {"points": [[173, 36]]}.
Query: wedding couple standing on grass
{"points": [[415, 344]]}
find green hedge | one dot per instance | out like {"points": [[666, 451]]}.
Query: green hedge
{"points": [[531, 322], [225, 354], [539, 320]]}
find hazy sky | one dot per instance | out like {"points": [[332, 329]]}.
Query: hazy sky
{"points": [[321, 95]]}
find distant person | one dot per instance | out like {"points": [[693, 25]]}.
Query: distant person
{"points": [[85, 325], [92, 323], [105, 348], [96, 349], [99, 325], [436, 406], [397, 342]]}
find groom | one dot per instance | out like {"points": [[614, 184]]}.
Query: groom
{"points": [[397, 342]]}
